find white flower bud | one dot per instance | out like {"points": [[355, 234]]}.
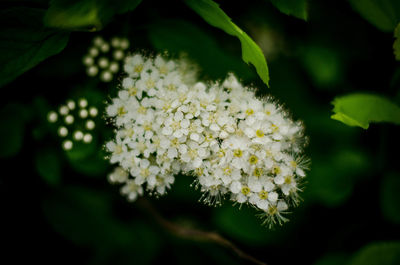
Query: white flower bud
{"points": [[67, 145], [52, 117]]}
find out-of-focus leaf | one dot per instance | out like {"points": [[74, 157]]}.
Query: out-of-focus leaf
{"points": [[296, 8], [85, 217], [85, 15], [331, 179], [361, 109], [390, 197], [333, 259], [24, 42], [383, 14], [82, 150], [178, 36], [396, 44], [243, 225], [323, 64], [48, 165], [216, 17], [379, 253], [12, 125], [93, 165]]}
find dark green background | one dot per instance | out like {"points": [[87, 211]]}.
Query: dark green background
{"points": [[59, 208]]}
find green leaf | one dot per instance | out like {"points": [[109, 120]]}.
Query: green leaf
{"points": [[332, 259], [396, 44], [85, 217], [48, 165], [332, 178], [93, 165], [85, 15], [323, 64], [24, 42], [216, 17], [383, 14], [390, 197], [12, 125], [379, 253], [243, 225], [360, 109], [296, 8], [178, 36]]}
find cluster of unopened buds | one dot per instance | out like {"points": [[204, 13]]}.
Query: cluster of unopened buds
{"points": [[75, 121], [233, 143], [104, 58]]}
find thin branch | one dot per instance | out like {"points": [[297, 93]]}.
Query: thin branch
{"points": [[194, 234]]}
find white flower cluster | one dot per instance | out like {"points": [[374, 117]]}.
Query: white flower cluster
{"points": [[75, 122], [232, 142], [105, 57]]}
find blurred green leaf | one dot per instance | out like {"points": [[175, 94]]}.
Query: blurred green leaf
{"points": [[24, 42], [331, 179], [85, 217], [82, 150], [178, 36], [243, 225], [383, 14], [361, 109], [296, 8], [390, 197], [48, 165], [333, 259], [85, 15], [396, 44], [93, 165], [216, 17], [12, 125], [323, 64], [379, 253]]}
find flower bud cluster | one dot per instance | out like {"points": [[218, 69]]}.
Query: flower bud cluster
{"points": [[233, 143], [104, 57], [75, 121]]}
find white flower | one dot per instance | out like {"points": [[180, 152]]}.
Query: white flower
{"points": [[230, 141]]}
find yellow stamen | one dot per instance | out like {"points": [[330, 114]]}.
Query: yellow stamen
{"points": [[263, 195], [238, 153], [138, 68], [142, 110], [259, 133], [276, 170], [121, 111], [227, 171], [253, 160], [258, 172], [249, 111], [245, 190]]}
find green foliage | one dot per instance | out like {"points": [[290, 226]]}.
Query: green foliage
{"points": [[242, 225], [323, 64], [95, 164], [86, 15], [360, 109], [216, 17], [177, 36], [333, 177], [296, 8], [383, 14], [390, 197], [13, 118], [24, 42], [379, 253], [48, 165], [396, 44], [332, 259], [85, 217]]}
